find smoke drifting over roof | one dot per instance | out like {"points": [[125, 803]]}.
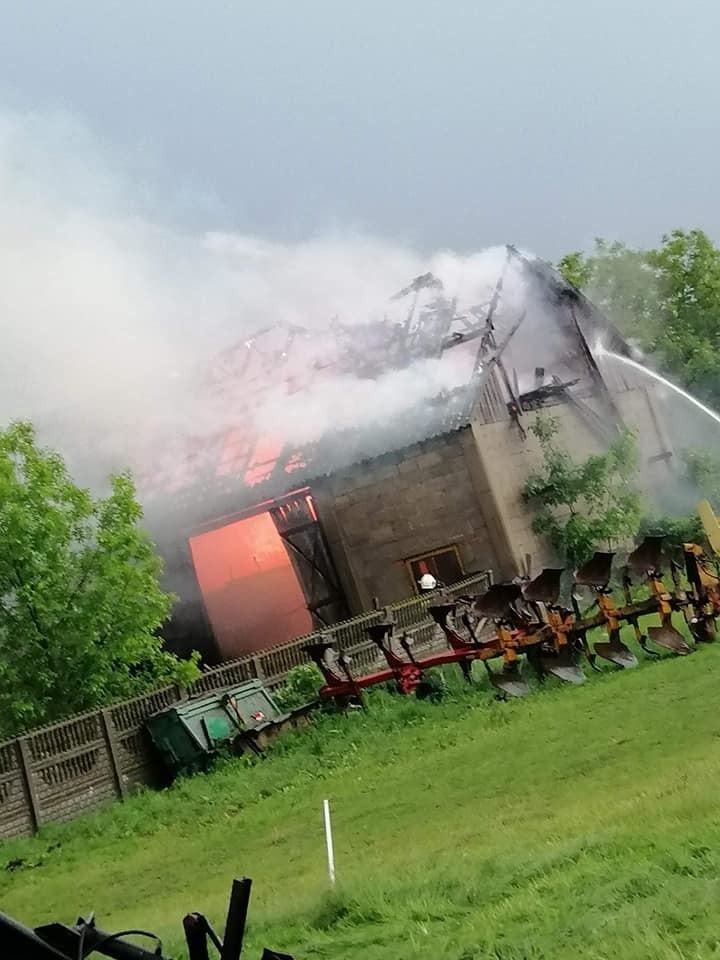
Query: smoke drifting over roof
{"points": [[112, 318], [194, 356]]}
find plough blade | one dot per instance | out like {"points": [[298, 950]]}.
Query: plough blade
{"points": [[704, 630], [616, 652], [647, 556], [568, 674], [564, 666], [497, 601], [510, 683], [441, 611], [669, 638], [545, 588], [596, 572]]}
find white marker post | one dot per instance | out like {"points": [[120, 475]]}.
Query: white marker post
{"points": [[329, 842]]}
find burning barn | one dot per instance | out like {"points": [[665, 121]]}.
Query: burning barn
{"points": [[296, 515]]}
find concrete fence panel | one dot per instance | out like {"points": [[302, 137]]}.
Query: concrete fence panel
{"points": [[63, 770]]}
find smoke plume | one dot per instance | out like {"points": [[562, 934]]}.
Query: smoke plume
{"points": [[112, 315]]}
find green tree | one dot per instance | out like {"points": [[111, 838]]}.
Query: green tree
{"points": [[687, 336], [80, 598], [699, 479], [577, 268], [675, 530], [581, 506], [622, 282], [667, 300]]}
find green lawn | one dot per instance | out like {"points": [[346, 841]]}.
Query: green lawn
{"points": [[580, 822]]}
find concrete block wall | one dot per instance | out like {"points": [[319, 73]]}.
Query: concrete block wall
{"points": [[379, 514], [507, 459], [638, 410]]}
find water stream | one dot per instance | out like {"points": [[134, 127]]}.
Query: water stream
{"points": [[601, 351]]}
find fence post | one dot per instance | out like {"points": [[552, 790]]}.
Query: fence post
{"points": [[25, 764], [258, 668], [108, 731]]}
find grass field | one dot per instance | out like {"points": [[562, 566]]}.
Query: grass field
{"points": [[580, 822]]}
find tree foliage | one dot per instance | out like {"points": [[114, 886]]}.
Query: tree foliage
{"points": [[702, 470], [666, 299], [699, 479], [300, 686], [80, 598], [675, 530], [581, 506], [687, 334]]}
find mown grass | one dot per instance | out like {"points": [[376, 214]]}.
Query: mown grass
{"points": [[581, 822]]}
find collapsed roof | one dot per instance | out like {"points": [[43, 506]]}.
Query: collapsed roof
{"points": [[309, 405]]}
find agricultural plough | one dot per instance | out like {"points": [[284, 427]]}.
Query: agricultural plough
{"points": [[525, 619]]}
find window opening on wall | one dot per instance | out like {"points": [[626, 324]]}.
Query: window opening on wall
{"points": [[444, 564]]}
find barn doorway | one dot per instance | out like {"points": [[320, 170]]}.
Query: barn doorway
{"points": [[267, 578], [252, 594]]}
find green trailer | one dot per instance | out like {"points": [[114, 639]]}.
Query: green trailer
{"points": [[190, 734]]}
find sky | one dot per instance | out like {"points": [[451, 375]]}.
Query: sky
{"points": [[176, 176], [459, 124]]}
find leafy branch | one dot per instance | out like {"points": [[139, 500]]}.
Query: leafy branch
{"points": [[580, 506]]}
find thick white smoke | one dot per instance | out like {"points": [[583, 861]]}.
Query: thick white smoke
{"points": [[107, 312]]}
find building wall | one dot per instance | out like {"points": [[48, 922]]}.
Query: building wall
{"points": [[640, 412], [378, 514], [507, 459], [464, 488]]}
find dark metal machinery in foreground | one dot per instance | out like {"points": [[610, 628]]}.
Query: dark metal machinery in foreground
{"points": [[55, 941]]}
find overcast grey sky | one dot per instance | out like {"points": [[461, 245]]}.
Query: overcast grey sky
{"points": [[459, 123]]}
